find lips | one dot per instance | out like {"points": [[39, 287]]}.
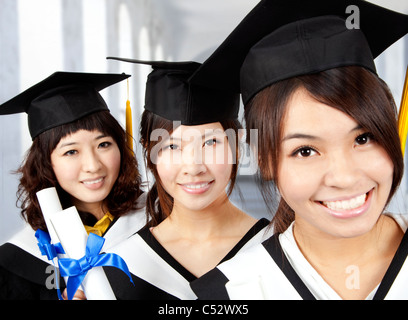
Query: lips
{"points": [[93, 184], [196, 187], [348, 208], [89, 182], [346, 204]]}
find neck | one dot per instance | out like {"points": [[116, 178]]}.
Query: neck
{"points": [[353, 267], [320, 247], [97, 209], [206, 223]]}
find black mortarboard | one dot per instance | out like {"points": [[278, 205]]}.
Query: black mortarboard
{"points": [[61, 98], [280, 39], [170, 94]]}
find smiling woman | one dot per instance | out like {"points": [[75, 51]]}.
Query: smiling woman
{"points": [[93, 148], [190, 140], [330, 144], [80, 149], [200, 164], [337, 157], [93, 160]]}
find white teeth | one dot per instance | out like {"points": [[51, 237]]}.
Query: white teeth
{"points": [[346, 204], [196, 186], [93, 181]]}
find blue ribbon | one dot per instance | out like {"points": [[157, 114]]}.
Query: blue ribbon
{"points": [[76, 270], [51, 251], [45, 246]]}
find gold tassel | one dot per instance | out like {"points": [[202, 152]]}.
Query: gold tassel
{"points": [[129, 127], [403, 115]]}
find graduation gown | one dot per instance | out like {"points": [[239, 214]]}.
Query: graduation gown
{"points": [[277, 269], [156, 274], [26, 274]]}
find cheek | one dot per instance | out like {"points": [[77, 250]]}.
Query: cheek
{"points": [[381, 166], [167, 172], [115, 163], [64, 172], [293, 191], [381, 171], [297, 184], [221, 172], [221, 164], [167, 162], [220, 155]]}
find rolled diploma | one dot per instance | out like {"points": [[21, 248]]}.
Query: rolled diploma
{"points": [[50, 204], [71, 232]]}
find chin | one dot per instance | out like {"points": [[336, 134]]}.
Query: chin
{"points": [[352, 229]]}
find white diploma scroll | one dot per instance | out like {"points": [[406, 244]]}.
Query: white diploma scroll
{"points": [[72, 234], [50, 204]]}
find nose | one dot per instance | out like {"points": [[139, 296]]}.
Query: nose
{"points": [[91, 161], [192, 161], [341, 172]]}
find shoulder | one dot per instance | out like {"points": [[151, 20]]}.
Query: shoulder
{"points": [[124, 227], [26, 241], [241, 277], [255, 273], [400, 218]]}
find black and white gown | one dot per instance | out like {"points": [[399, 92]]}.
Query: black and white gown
{"points": [[277, 269], [25, 274], [156, 274]]}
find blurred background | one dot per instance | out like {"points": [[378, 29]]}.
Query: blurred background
{"points": [[40, 37]]}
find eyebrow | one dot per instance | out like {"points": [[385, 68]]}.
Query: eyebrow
{"points": [[71, 143], [311, 137], [204, 136], [300, 136]]}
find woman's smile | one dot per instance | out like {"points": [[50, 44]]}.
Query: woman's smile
{"points": [[93, 183], [196, 187], [86, 164], [202, 171], [333, 174], [348, 208]]}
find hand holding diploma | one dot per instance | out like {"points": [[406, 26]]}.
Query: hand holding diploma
{"points": [[83, 252]]}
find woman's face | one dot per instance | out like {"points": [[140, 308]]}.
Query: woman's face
{"points": [[194, 164], [86, 164], [332, 173]]}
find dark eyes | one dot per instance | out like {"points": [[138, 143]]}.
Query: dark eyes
{"points": [[304, 152], [364, 138], [102, 145], [70, 153], [209, 142], [172, 147], [308, 151]]}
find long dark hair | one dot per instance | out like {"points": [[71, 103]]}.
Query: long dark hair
{"points": [[36, 171], [159, 203], [353, 90]]}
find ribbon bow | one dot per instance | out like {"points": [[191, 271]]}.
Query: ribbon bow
{"points": [[45, 246], [76, 270], [51, 251]]}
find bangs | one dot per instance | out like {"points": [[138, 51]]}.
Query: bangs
{"points": [[96, 122], [101, 121]]}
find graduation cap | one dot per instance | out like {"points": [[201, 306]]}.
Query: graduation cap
{"points": [[61, 98], [280, 39], [170, 94]]}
